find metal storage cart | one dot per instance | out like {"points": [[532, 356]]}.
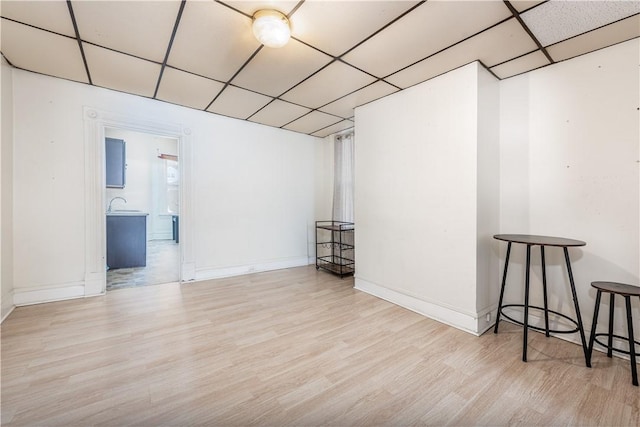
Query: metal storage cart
{"points": [[335, 247]]}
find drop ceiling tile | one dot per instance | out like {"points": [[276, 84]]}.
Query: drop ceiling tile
{"points": [[274, 71], [343, 107], [42, 52], [278, 113], [140, 28], [522, 5], [212, 40], [240, 103], [121, 72], [187, 89], [500, 43], [554, 21], [337, 80], [312, 122], [431, 27], [251, 7], [48, 15], [520, 65], [338, 127], [606, 36], [310, 21]]}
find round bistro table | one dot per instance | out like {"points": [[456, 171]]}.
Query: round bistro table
{"points": [[542, 241]]}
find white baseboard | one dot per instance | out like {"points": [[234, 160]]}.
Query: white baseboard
{"points": [[8, 313], [95, 284], [188, 272], [219, 273], [28, 296], [7, 305], [475, 323]]}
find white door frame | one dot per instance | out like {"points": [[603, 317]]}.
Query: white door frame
{"points": [[95, 122]]}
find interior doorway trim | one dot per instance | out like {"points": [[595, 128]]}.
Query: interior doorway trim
{"points": [[95, 122]]}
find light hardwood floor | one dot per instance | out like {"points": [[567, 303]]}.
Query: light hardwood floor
{"points": [[289, 347]]}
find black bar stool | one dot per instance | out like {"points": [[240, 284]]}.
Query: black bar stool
{"points": [[613, 289], [542, 241]]}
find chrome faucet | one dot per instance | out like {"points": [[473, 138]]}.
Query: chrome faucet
{"points": [[121, 198]]}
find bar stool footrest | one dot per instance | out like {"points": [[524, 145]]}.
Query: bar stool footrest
{"points": [[537, 328], [618, 350]]}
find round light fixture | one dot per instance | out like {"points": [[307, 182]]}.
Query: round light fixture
{"points": [[271, 28]]}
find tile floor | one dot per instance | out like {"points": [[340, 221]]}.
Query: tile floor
{"points": [[163, 266]]}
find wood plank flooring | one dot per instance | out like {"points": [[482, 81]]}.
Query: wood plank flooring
{"points": [[290, 347]]}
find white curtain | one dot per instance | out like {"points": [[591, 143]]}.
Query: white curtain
{"points": [[343, 178]]}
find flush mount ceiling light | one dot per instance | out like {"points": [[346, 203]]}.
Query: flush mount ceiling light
{"points": [[271, 28]]}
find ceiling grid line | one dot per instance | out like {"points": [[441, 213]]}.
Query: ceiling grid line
{"points": [[516, 15], [515, 57], [447, 48], [120, 52], [342, 54], [383, 28], [166, 56], [295, 9], [306, 78], [38, 28], [79, 39], [597, 29], [226, 4], [234, 76]]}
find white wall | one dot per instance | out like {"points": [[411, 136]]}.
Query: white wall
{"points": [[6, 188], [569, 164], [417, 187], [252, 186], [488, 192], [255, 197], [145, 184]]}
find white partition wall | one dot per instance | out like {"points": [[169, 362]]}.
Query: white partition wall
{"points": [[427, 185]]}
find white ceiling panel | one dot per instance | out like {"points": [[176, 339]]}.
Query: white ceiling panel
{"points": [[48, 15], [343, 125], [554, 21], [278, 113], [500, 43], [274, 71], [187, 89], [606, 36], [251, 7], [312, 122], [42, 51], [337, 80], [343, 53], [343, 107], [520, 65], [212, 40], [240, 103], [504, 41], [311, 20], [429, 28], [121, 72], [140, 28]]}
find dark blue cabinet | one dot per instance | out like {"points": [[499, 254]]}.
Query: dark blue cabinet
{"points": [[126, 241], [115, 162]]}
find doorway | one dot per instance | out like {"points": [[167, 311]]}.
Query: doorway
{"points": [[149, 197]]}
